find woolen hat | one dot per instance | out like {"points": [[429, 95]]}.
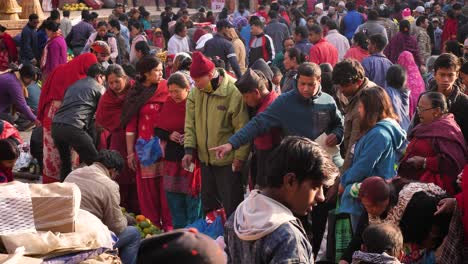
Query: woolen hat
{"points": [[180, 246], [262, 66], [201, 65]]}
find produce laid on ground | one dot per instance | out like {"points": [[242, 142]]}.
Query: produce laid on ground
{"points": [[76, 7], [144, 225]]}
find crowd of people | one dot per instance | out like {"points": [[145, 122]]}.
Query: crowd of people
{"points": [[328, 132]]}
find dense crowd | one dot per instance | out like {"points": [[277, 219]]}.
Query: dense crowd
{"points": [[328, 132]]}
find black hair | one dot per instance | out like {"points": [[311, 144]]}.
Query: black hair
{"points": [[457, 6], [95, 70], [111, 159], [144, 65], [85, 15], [302, 31], [50, 25], [143, 47], [303, 157], [447, 61], [452, 46], [317, 29], [324, 20], [418, 219], [179, 27], [130, 70], [361, 40], [178, 79], [218, 62], [182, 63], [202, 10], [8, 150], [115, 69], [66, 13], [93, 15], [102, 23], [54, 14], [383, 238], [438, 100], [257, 23], [276, 71], [253, 18], [2, 28], [145, 14], [373, 15], [33, 17], [420, 20], [137, 25], [379, 41], [396, 76], [29, 71], [273, 14], [123, 17], [115, 23], [326, 79], [296, 54], [350, 5], [331, 24], [309, 69], [275, 6], [384, 12], [405, 26], [348, 71], [464, 68]]}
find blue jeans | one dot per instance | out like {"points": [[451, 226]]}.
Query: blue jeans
{"points": [[128, 245]]}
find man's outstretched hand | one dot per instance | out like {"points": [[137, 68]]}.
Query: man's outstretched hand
{"points": [[222, 150]]}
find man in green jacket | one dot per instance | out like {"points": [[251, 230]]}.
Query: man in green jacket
{"points": [[215, 111]]}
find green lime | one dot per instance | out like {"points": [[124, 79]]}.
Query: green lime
{"points": [[144, 224]]}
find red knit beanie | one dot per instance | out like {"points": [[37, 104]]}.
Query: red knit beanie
{"points": [[375, 188], [201, 65]]}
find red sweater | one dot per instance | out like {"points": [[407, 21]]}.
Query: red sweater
{"points": [[268, 140], [323, 52]]}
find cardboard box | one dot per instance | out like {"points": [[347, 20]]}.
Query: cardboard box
{"points": [[55, 206]]}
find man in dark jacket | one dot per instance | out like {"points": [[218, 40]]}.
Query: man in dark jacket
{"points": [[223, 48], [29, 49], [301, 37], [446, 69], [80, 33], [277, 31], [261, 45], [73, 121]]}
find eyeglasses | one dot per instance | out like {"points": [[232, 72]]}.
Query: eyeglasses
{"points": [[420, 110]]}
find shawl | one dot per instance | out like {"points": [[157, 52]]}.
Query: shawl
{"points": [[450, 30], [172, 116], [7, 130], [399, 43], [46, 49], [415, 82], [139, 96], [61, 78], [109, 108], [447, 139], [10, 46], [404, 197]]}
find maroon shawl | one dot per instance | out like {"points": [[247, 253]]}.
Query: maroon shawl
{"points": [[109, 108], [172, 116], [447, 139]]}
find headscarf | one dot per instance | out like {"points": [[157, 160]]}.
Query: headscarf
{"points": [[109, 108], [415, 82], [61, 78], [10, 46]]}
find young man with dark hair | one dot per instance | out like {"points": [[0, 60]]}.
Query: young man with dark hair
{"points": [[72, 125], [380, 241], [446, 68], [277, 30], [100, 196], [264, 228], [79, 34], [179, 41], [29, 47], [254, 88], [301, 38], [261, 45], [322, 51], [350, 77], [377, 64]]}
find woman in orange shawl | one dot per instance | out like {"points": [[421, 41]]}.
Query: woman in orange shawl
{"points": [[50, 101]]}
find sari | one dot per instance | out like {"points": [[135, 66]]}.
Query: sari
{"points": [[50, 101], [415, 82]]}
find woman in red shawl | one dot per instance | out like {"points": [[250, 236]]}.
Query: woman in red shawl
{"points": [[403, 41], [182, 187], [437, 150], [108, 117], [52, 94], [449, 31], [9, 53], [141, 110]]}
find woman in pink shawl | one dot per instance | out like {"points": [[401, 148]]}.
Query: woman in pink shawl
{"points": [[415, 82], [55, 51]]}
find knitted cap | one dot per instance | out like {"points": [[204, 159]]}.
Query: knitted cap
{"points": [[180, 246], [375, 188], [201, 65]]}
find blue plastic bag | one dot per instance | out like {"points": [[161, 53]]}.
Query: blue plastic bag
{"points": [[213, 230], [148, 151]]}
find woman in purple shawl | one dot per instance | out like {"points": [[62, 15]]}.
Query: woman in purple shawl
{"points": [[403, 41]]}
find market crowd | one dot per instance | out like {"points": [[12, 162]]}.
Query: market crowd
{"points": [[327, 132]]}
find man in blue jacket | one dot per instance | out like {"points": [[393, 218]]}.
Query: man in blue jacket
{"points": [[305, 111], [29, 52]]}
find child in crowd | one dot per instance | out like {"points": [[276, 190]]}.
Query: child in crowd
{"points": [[29, 78], [9, 153]]}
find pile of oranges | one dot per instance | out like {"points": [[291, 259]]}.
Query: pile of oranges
{"points": [[144, 225]]}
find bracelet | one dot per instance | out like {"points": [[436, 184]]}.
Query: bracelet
{"points": [[424, 164]]}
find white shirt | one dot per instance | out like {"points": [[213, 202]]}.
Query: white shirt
{"points": [[340, 42], [177, 44]]}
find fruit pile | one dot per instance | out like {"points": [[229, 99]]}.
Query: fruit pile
{"points": [[144, 225], [76, 7]]}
